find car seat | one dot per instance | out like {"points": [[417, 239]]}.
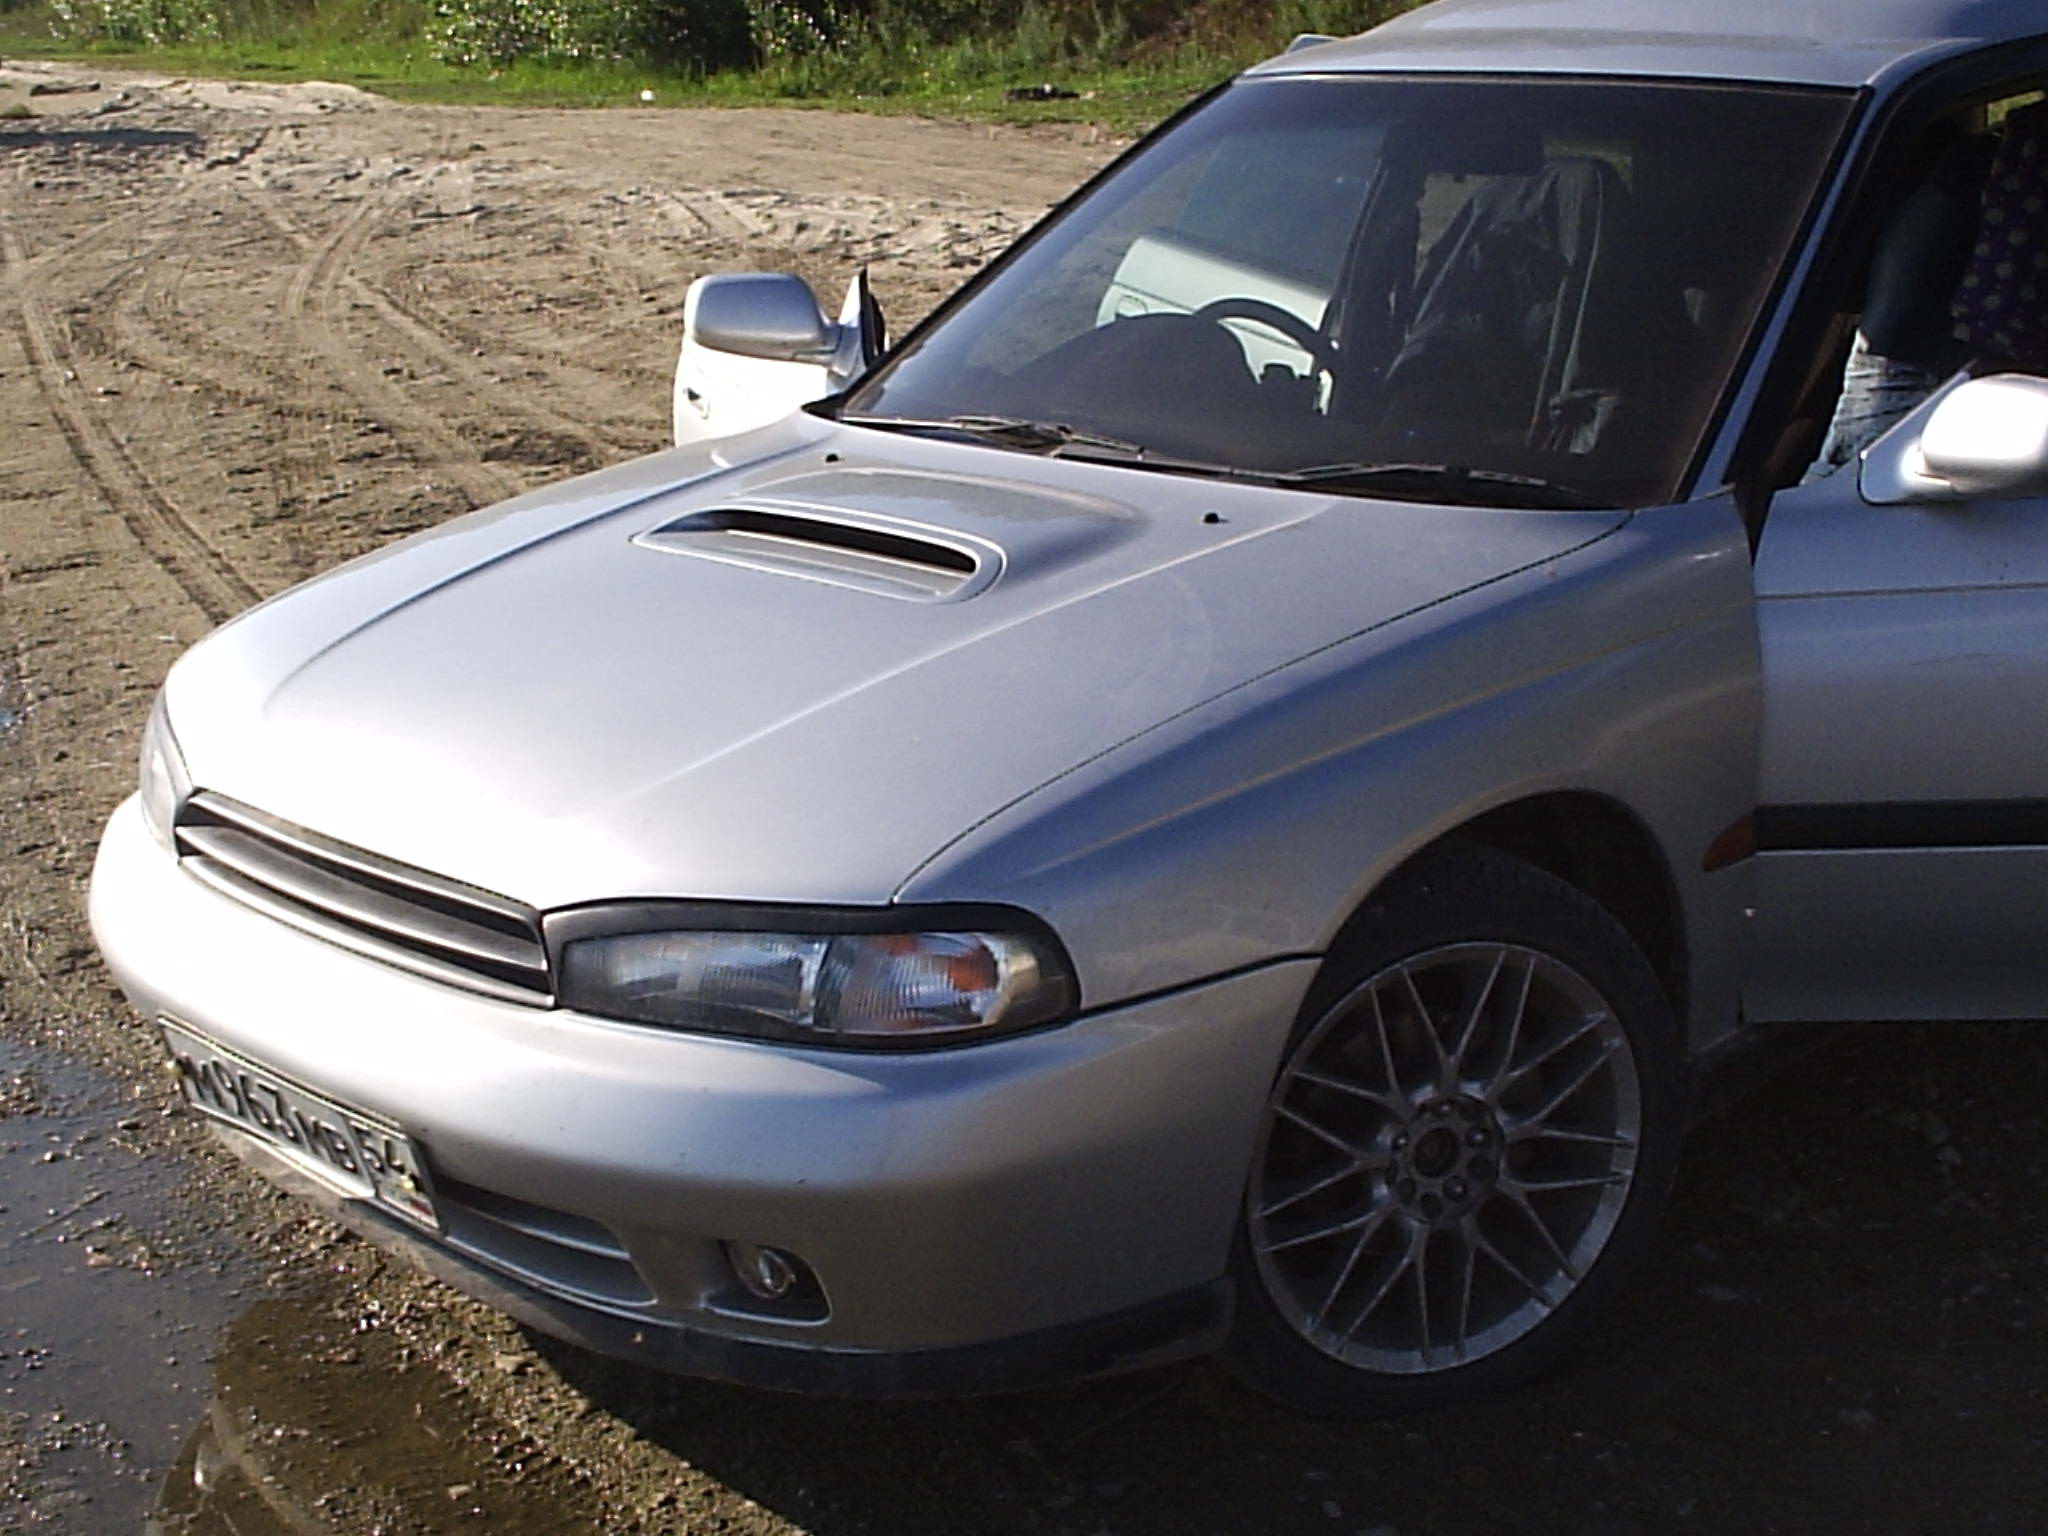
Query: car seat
{"points": [[1534, 316]]}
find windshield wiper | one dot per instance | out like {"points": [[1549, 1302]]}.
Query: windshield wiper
{"points": [[1058, 440], [1014, 431], [1494, 486], [1483, 487]]}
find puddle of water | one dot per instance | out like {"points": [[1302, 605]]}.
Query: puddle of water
{"points": [[102, 1356], [312, 1428], [13, 704], [142, 1394]]}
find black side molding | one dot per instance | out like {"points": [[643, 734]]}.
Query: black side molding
{"points": [[1903, 824]]}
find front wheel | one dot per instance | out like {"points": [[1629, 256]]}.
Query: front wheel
{"points": [[1465, 1148]]}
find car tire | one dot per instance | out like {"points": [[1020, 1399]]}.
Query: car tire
{"points": [[1465, 1150]]}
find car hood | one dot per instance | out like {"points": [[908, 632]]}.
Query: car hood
{"points": [[791, 667]]}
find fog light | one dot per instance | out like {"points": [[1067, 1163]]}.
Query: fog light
{"points": [[771, 1283], [768, 1273]]}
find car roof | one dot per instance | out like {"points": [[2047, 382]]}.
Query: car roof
{"points": [[1793, 42]]}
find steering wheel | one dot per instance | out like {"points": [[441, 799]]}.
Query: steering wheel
{"points": [[1322, 350]]}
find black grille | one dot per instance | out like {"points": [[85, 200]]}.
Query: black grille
{"points": [[389, 911]]}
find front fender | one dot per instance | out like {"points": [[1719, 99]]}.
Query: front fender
{"points": [[1254, 826]]}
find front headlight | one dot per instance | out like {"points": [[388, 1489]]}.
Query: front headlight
{"points": [[863, 979], [164, 784]]}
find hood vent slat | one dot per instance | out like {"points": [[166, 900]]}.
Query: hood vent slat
{"points": [[886, 562]]}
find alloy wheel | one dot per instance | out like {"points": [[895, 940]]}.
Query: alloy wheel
{"points": [[1445, 1155]]}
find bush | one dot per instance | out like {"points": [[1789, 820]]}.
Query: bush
{"points": [[886, 47], [141, 23], [858, 38], [690, 34], [799, 47], [785, 30]]}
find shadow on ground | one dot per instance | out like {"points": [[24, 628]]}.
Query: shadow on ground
{"points": [[1842, 1334]]}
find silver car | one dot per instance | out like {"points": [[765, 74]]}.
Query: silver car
{"points": [[1214, 797]]}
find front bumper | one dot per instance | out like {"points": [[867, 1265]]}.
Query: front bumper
{"points": [[1061, 1184], [1171, 1328]]}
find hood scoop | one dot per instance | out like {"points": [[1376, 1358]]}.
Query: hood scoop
{"points": [[881, 556]]}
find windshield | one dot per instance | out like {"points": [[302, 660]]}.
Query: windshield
{"points": [[1512, 290]]}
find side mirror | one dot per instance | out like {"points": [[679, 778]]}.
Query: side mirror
{"points": [[759, 314], [756, 346], [1978, 439]]}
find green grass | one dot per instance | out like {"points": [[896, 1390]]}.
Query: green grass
{"points": [[1117, 100], [405, 72], [1120, 88]]}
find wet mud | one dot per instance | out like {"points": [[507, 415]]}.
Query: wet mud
{"points": [[102, 1365]]}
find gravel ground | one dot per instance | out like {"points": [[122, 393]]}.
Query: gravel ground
{"points": [[253, 330]]}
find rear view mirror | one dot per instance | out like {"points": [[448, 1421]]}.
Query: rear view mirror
{"points": [[1981, 439], [759, 314]]}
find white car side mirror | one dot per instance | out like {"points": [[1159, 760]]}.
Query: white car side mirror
{"points": [[759, 314], [756, 346], [1978, 439]]}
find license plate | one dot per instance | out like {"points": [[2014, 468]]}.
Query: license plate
{"points": [[362, 1156]]}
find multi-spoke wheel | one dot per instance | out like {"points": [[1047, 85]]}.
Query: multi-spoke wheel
{"points": [[1464, 1146]]}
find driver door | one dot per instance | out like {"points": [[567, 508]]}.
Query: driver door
{"points": [[1903, 796]]}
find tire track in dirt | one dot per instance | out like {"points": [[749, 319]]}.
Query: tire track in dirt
{"points": [[146, 324], [140, 314], [441, 341], [311, 305], [412, 315], [399, 294], [153, 184], [137, 283], [720, 216], [631, 298], [62, 251], [137, 319], [566, 374], [313, 299], [165, 534], [70, 250]]}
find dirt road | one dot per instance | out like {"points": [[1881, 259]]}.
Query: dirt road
{"points": [[249, 331]]}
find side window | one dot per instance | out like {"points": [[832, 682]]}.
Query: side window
{"points": [[1956, 277]]}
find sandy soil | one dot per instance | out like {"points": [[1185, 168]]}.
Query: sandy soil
{"points": [[248, 331]]}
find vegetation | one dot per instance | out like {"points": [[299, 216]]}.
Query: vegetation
{"points": [[1125, 62]]}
